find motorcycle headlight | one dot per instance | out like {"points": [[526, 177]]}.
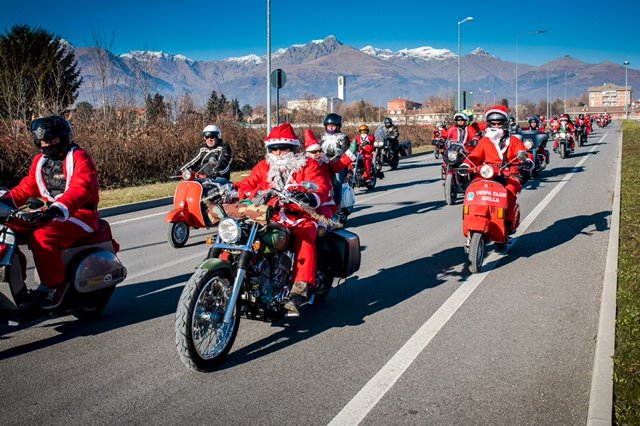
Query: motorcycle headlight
{"points": [[528, 144], [486, 171], [452, 155], [563, 135], [186, 174], [229, 230]]}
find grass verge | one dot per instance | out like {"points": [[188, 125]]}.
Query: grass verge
{"points": [[626, 386], [120, 196]]}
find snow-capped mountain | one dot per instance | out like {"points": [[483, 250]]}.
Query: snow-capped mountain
{"points": [[372, 74]]}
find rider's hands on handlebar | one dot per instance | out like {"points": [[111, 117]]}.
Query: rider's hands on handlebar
{"points": [[305, 197], [42, 216]]}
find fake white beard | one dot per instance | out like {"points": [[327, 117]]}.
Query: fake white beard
{"points": [[282, 167], [494, 134], [320, 158]]}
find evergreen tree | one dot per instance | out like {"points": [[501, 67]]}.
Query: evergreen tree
{"points": [[155, 107], [212, 105], [38, 74]]}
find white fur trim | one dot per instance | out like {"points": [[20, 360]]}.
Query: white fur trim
{"points": [[314, 147], [351, 155], [44, 192], [64, 209], [81, 224], [499, 111]]}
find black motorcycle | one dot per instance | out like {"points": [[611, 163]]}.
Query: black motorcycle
{"points": [[248, 272], [533, 140], [456, 179]]}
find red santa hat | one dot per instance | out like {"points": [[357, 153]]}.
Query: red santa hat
{"points": [[310, 141], [282, 134], [499, 109]]}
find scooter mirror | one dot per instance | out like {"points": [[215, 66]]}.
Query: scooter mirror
{"points": [[34, 203], [309, 186]]}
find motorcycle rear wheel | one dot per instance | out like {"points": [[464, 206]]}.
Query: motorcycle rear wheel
{"points": [[203, 340], [178, 234], [450, 191], [476, 252]]}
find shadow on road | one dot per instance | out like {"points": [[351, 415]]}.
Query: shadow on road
{"points": [[408, 208]]}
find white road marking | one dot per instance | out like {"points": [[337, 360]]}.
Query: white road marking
{"points": [[138, 218], [368, 397]]}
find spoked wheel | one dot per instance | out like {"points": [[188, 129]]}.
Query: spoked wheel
{"points": [[91, 305], [178, 234], [450, 192], [203, 340], [476, 252], [373, 179]]}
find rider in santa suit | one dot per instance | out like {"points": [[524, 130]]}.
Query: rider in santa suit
{"points": [[285, 164]]}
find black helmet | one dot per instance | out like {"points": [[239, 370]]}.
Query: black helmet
{"points": [[332, 118], [388, 122], [580, 116], [50, 127], [495, 115], [534, 118]]}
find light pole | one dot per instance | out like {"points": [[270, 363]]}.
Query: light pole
{"points": [[268, 67], [517, 38], [626, 104], [467, 19], [565, 91]]}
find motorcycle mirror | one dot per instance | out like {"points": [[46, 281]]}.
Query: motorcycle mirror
{"points": [[34, 203], [522, 155]]}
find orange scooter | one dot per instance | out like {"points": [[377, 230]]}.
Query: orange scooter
{"points": [[484, 215], [189, 206]]}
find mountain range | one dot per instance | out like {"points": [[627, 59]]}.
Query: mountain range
{"points": [[312, 69]]}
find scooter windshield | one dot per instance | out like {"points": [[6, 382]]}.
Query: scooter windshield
{"points": [[6, 203]]}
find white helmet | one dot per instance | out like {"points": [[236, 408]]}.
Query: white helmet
{"points": [[210, 129]]}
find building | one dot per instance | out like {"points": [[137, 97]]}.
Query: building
{"points": [[405, 111], [321, 105], [608, 98], [398, 106]]}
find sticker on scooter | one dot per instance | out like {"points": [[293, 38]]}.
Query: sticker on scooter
{"points": [[470, 196]]}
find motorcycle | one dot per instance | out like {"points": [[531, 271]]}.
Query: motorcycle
{"points": [[581, 135], [456, 179], [562, 137], [484, 213], [355, 175], [189, 206], [92, 270], [248, 272], [533, 140], [439, 147]]}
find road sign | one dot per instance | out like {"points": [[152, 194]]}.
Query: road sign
{"points": [[278, 78]]}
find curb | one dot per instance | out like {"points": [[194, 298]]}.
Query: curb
{"points": [[601, 392], [132, 207]]}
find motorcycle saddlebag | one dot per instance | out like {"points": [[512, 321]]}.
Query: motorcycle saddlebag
{"points": [[405, 149], [338, 253]]}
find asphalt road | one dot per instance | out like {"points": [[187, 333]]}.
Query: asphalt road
{"points": [[413, 338]]}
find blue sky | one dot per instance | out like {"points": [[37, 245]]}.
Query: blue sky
{"points": [[217, 29]]}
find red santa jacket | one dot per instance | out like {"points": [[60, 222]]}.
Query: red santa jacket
{"points": [[258, 180], [80, 198], [367, 144], [453, 135], [488, 152]]}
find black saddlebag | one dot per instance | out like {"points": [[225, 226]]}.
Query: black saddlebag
{"points": [[338, 253]]}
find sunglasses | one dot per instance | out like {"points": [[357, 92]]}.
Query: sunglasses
{"points": [[495, 123], [213, 135], [314, 152], [279, 148], [460, 119]]}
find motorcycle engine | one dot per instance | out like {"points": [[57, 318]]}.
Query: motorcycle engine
{"points": [[273, 279]]}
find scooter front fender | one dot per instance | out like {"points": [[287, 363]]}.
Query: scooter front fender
{"points": [[181, 215], [475, 224]]}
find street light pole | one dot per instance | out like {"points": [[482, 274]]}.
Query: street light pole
{"points": [[268, 67], [517, 38], [626, 90], [467, 19]]}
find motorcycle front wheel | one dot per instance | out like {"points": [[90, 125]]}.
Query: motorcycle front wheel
{"points": [[203, 340], [178, 234], [450, 192], [476, 252], [393, 161]]}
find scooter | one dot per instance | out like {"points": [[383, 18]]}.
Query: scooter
{"points": [[484, 214], [189, 206], [92, 270], [534, 140]]}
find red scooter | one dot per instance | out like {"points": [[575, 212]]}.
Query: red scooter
{"points": [[189, 206], [484, 215]]}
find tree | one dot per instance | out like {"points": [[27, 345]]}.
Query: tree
{"points": [[38, 74], [155, 107], [212, 105], [83, 111]]}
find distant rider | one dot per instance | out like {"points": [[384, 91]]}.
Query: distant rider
{"points": [[392, 135], [460, 132], [334, 143]]}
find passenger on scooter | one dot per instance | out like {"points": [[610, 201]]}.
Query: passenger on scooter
{"points": [[334, 144], [213, 159], [328, 167], [65, 177], [497, 148], [285, 164]]}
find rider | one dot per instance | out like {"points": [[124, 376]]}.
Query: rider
{"points": [[365, 141], [565, 124], [334, 143], [497, 147], [285, 165], [65, 177], [461, 132], [214, 157], [534, 125], [513, 126], [329, 168], [392, 134]]}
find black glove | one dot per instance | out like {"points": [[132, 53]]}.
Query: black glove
{"points": [[305, 198], [43, 216]]}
